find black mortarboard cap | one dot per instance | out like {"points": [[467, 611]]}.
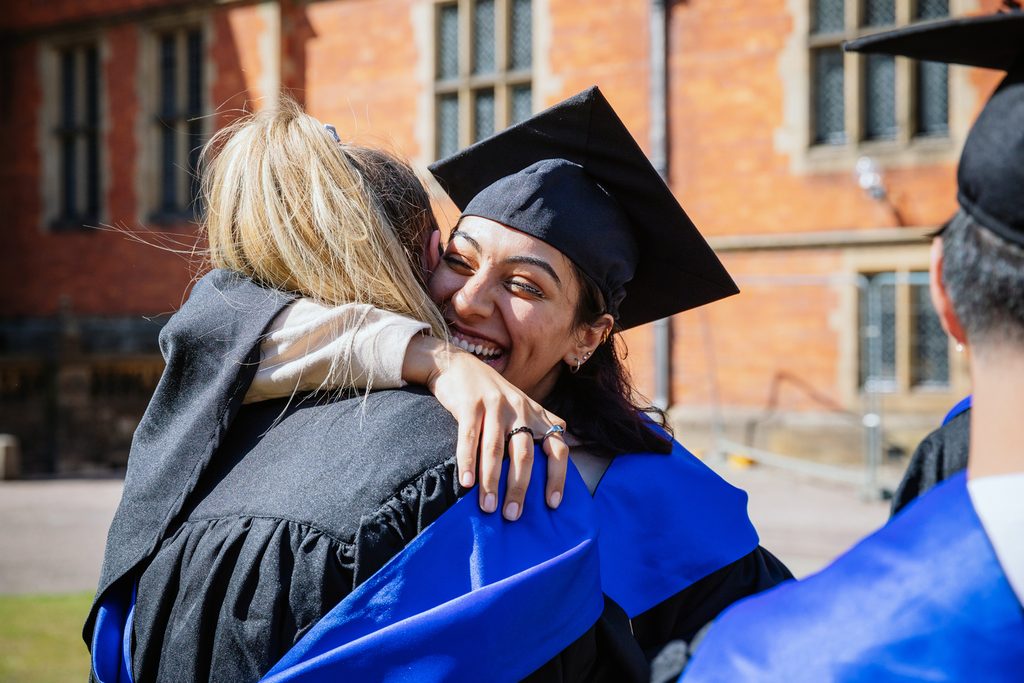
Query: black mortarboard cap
{"points": [[990, 179], [575, 178]]}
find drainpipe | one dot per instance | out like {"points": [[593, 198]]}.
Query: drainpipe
{"points": [[659, 158]]}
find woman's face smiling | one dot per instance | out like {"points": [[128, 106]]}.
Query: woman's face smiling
{"points": [[510, 299]]}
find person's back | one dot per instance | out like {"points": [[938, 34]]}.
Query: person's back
{"points": [[303, 503]]}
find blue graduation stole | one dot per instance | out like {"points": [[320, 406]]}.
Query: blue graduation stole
{"points": [[657, 524], [924, 598], [666, 522]]}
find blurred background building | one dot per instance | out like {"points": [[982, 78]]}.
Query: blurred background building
{"points": [[815, 174]]}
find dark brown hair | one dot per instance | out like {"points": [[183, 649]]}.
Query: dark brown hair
{"points": [[599, 403], [402, 198]]}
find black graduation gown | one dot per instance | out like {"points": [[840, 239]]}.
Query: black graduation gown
{"points": [[939, 456], [289, 506]]}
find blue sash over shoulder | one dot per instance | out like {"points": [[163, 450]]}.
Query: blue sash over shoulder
{"points": [[924, 598], [532, 586], [539, 582], [666, 522]]}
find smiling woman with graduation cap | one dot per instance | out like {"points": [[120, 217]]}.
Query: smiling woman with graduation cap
{"points": [[567, 235]]}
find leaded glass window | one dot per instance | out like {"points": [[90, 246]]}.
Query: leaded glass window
{"points": [[932, 9], [880, 98], [902, 343], [878, 329], [866, 98], [522, 103], [932, 99], [828, 16], [828, 97], [447, 125], [179, 121], [929, 354], [879, 12], [521, 35], [78, 140], [484, 37], [448, 41], [483, 57], [483, 114]]}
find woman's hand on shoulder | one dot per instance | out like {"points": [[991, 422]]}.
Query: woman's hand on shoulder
{"points": [[488, 408]]}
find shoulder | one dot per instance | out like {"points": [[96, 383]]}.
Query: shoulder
{"points": [[902, 586], [667, 520], [331, 463], [940, 455]]}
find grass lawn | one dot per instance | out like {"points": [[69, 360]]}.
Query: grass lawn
{"points": [[41, 638]]}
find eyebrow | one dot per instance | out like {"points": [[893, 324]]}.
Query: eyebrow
{"points": [[526, 260]]}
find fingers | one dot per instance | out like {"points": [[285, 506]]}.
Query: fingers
{"points": [[492, 451], [558, 461], [520, 450], [466, 448]]}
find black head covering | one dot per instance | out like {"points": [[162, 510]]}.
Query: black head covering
{"points": [[990, 179], [575, 178]]}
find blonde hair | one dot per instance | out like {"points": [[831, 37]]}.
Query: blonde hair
{"points": [[289, 207]]}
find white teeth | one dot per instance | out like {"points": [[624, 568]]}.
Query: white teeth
{"points": [[475, 349]]}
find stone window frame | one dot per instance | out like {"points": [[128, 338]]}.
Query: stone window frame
{"points": [[796, 136], [466, 84], [902, 394], [52, 129], [149, 126]]}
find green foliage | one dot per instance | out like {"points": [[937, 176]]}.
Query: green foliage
{"points": [[41, 638]]}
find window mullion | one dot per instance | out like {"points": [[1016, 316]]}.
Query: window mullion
{"points": [[465, 70], [853, 66], [905, 12], [904, 100], [503, 18], [904, 331], [80, 135], [854, 17], [853, 91], [180, 122]]}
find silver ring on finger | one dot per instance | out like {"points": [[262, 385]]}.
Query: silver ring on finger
{"points": [[517, 430], [553, 430]]}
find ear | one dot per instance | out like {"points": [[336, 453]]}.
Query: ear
{"points": [[431, 252], [940, 297], [588, 338]]}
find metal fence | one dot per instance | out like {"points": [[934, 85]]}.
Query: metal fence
{"points": [[893, 309]]}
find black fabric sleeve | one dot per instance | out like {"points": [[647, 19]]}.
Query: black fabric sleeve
{"points": [[605, 653], [685, 613], [940, 455]]}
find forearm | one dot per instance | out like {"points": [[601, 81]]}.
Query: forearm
{"points": [[425, 358]]}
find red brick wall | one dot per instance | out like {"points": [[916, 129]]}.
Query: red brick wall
{"points": [[363, 71], [359, 65], [36, 15]]}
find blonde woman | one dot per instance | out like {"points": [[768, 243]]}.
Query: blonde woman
{"points": [[245, 518]]}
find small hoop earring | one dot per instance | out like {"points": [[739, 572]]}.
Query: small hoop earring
{"points": [[576, 369]]}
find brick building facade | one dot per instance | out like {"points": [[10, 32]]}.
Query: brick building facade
{"points": [[103, 101]]}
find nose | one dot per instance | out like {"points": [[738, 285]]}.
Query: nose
{"points": [[473, 299]]}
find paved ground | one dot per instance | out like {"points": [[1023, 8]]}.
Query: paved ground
{"points": [[805, 522], [52, 532]]}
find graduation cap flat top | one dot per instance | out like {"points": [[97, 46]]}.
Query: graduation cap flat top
{"points": [[575, 178], [990, 178]]}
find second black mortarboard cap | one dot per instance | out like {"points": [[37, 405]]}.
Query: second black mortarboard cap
{"points": [[990, 178], [574, 177]]}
